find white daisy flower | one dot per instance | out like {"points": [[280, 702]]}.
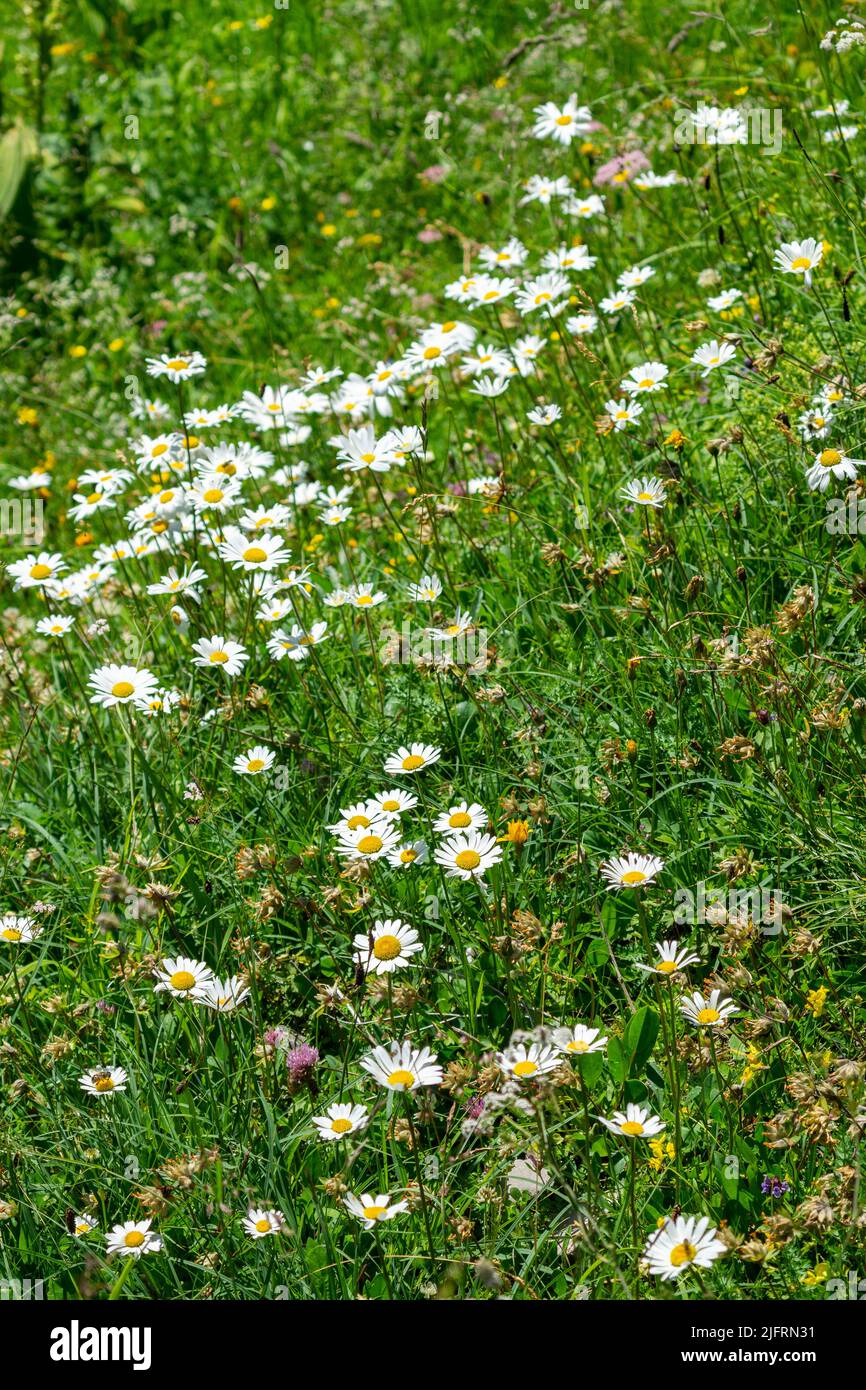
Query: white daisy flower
{"points": [[649, 376], [549, 291], [427, 590], [402, 1067], [710, 1012], [411, 759], [544, 415], [800, 258], [178, 368], [256, 760], [712, 355], [672, 957], [615, 303], [726, 300], [55, 626], [223, 995], [831, 463], [259, 1222], [339, 1121], [632, 870], [635, 276], [133, 1238], [103, 1081], [173, 582], [527, 1063], [680, 1242], [261, 552], [561, 123], [18, 929], [370, 1210], [393, 803], [364, 596], [623, 413], [389, 947], [121, 685], [83, 1226], [370, 842], [635, 1122], [461, 817], [645, 492], [469, 855], [543, 190], [407, 854], [815, 423], [34, 571], [579, 1040], [220, 653], [183, 977], [581, 324], [359, 816]]}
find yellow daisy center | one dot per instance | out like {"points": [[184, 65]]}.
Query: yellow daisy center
{"points": [[412, 762], [683, 1254], [468, 859], [646, 382], [667, 967], [341, 1126], [177, 364], [390, 805], [708, 1016], [133, 1239], [358, 822], [407, 856], [40, 571], [563, 120], [104, 1083], [830, 458], [386, 948], [158, 450], [263, 1225], [632, 1127], [255, 555], [255, 764], [373, 1213], [801, 263], [459, 820], [121, 690], [431, 352], [632, 877], [11, 934], [218, 658], [526, 1068], [577, 1045], [401, 1078], [369, 844], [182, 979], [213, 494]]}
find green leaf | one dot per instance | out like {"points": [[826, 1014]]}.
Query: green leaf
{"points": [[617, 1060], [640, 1037], [591, 1065], [17, 147]]}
